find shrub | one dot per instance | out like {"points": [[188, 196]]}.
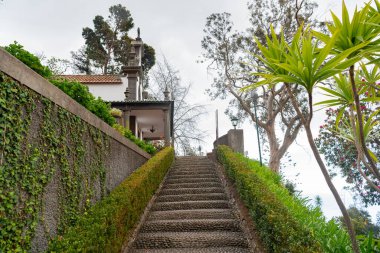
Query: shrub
{"points": [[116, 112], [279, 230], [149, 148], [28, 58], [106, 225], [270, 203], [82, 95]]}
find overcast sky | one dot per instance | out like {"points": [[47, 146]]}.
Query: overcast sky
{"points": [[174, 28]]}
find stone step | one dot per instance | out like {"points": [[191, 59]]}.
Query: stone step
{"points": [[190, 176], [186, 205], [192, 185], [191, 180], [191, 197], [191, 214], [195, 171], [192, 250], [193, 166], [191, 191], [190, 240], [191, 225]]}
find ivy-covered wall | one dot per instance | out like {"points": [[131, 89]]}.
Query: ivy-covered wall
{"points": [[53, 163]]}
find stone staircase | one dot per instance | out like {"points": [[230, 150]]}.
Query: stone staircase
{"points": [[191, 214]]}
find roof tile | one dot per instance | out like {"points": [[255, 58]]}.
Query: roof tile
{"points": [[93, 79]]}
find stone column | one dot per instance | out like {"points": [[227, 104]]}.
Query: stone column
{"points": [[133, 86], [126, 114], [167, 127]]}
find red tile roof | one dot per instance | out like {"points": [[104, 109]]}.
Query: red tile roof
{"points": [[93, 79]]}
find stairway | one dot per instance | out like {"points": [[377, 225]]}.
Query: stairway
{"points": [[191, 214]]}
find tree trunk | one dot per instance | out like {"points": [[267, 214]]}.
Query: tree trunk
{"points": [[338, 200], [274, 160], [310, 138]]}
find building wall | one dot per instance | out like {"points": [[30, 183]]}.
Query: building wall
{"points": [[109, 92], [57, 158]]}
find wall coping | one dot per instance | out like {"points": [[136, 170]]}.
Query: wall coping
{"points": [[26, 76]]}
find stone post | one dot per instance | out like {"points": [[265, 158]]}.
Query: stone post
{"points": [[167, 127]]}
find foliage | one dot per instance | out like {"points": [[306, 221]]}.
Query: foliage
{"points": [[306, 63], [58, 66], [257, 184], [186, 116], [280, 219], [362, 222], [75, 90], [105, 226], [149, 148], [107, 46], [341, 156], [227, 52], [116, 112], [29, 159], [27, 58], [81, 94]]}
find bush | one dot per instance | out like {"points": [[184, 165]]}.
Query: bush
{"points": [[279, 230], [28, 58], [106, 226], [277, 212], [82, 95], [149, 148]]}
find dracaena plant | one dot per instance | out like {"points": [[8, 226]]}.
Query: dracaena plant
{"points": [[305, 63], [346, 124], [362, 29]]}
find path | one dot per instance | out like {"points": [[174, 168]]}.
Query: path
{"points": [[191, 214]]}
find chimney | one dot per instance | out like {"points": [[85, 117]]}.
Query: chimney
{"points": [[133, 70]]}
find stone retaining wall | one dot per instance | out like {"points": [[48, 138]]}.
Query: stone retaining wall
{"points": [[234, 139], [86, 165]]}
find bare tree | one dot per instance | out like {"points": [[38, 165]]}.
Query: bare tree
{"points": [[186, 115], [226, 50]]}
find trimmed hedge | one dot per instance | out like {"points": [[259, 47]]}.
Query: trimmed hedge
{"points": [[106, 225], [278, 229]]}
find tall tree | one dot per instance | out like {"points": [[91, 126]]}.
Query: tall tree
{"points": [[361, 221], [107, 44], [226, 52], [342, 157], [186, 116]]}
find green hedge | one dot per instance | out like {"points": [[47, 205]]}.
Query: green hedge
{"points": [[278, 229], [106, 225]]}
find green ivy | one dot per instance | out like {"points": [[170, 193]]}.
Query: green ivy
{"points": [[108, 224], [30, 158]]}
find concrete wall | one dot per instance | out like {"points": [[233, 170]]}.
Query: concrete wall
{"points": [[109, 92], [234, 139], [119, 156]]}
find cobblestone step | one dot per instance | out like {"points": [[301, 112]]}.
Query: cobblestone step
{"points": [[170, 180], [194, 175], [191, 197], [191, 176], [190, 240], [191, 225], [192, 185], [191, 191], [193, 172], [197, 250], [186, 205], [191, 214]]}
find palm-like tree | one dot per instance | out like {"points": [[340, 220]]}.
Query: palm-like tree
{"points": [[306, 64], [362, 29]]}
